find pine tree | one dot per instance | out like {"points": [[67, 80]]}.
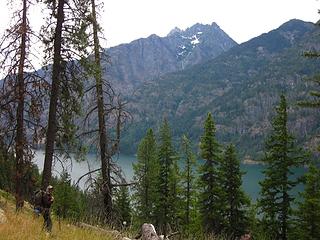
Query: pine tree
{"points": [[211, 193], [167, 204], [307, 224], [123, 206], [236, 202], [105, 114], [65, 41], [21, 96], [188, 191], [146, 172], [281, 156], [68, 200]]}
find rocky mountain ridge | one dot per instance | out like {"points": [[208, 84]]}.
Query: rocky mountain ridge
{"points": [[240, 87], [148, 58]]}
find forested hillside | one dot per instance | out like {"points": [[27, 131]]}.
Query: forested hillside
{"points": [[240, 87], [190, 106]]}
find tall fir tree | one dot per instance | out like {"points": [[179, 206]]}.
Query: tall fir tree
{"points": [[188, 189], [237, 203], [281, 156], [211, 202], [168, 182], [307, 223], [146, 172]]}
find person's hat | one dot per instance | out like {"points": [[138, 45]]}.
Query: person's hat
{"points": [[49, 187]]}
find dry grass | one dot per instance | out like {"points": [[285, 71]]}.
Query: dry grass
{"points": [[26, 226]]}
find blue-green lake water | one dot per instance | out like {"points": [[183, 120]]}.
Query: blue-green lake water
{"points": [[253, 173]]}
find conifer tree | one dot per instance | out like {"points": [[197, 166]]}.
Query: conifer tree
{"points": [[166, 209], [123, 206], [68, 200], [146, 172], [21, 96], [65, 40], [188, 191], [281, 156], [104, 115], [307, 223], [211, 194], [105, 158], [236, 201]]}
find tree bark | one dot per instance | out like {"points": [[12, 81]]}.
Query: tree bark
{"points": [[55, 90], [20, 136]]}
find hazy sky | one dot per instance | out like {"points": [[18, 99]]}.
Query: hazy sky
{"points": [[126, 20]]}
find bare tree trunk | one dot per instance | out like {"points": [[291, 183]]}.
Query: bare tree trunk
{"points": [[103, 138], [55, 89], [20, 137]]}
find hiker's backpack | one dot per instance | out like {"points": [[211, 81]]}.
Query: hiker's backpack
{"points": [[37, 198]]}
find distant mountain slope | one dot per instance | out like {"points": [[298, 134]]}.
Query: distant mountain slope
{"points": [[148, 58], [240, 87]]}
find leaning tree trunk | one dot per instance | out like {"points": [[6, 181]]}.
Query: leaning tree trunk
{"points": [[20, 137], [103, 139], [55, 85]]}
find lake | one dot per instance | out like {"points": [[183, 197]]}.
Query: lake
{"points": [[253, 173]]}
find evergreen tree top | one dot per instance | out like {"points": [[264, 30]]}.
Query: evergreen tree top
{"points": [[209, 147]]}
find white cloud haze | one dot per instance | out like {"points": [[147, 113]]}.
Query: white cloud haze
{"points": [[126, 20]]}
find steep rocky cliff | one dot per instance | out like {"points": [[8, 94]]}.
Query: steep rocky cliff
{"points": [[148, 58]]}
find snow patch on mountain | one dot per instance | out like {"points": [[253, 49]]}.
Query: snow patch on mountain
{"points": [[195, 40]]}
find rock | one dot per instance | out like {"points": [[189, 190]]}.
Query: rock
{"points": [[149, 232], [246, 236], [3, 218]]}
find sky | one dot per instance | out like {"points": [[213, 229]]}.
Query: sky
{"points": [[126, 20]]}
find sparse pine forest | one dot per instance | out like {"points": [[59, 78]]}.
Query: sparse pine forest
{"points": [[187, 180]]}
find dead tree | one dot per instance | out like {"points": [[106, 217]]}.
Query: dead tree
{"points": [[108, 109], [108, 146], [21, 97]]}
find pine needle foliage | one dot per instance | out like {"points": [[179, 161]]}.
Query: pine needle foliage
{"points": [[146, 171], [168, 182], [281, 156], [307, 222], [236, 201], [211, 194]]}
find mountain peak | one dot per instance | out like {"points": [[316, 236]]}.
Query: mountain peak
{"points": [[296, 25], [194, 29], [174, 31], [214, 24]]}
